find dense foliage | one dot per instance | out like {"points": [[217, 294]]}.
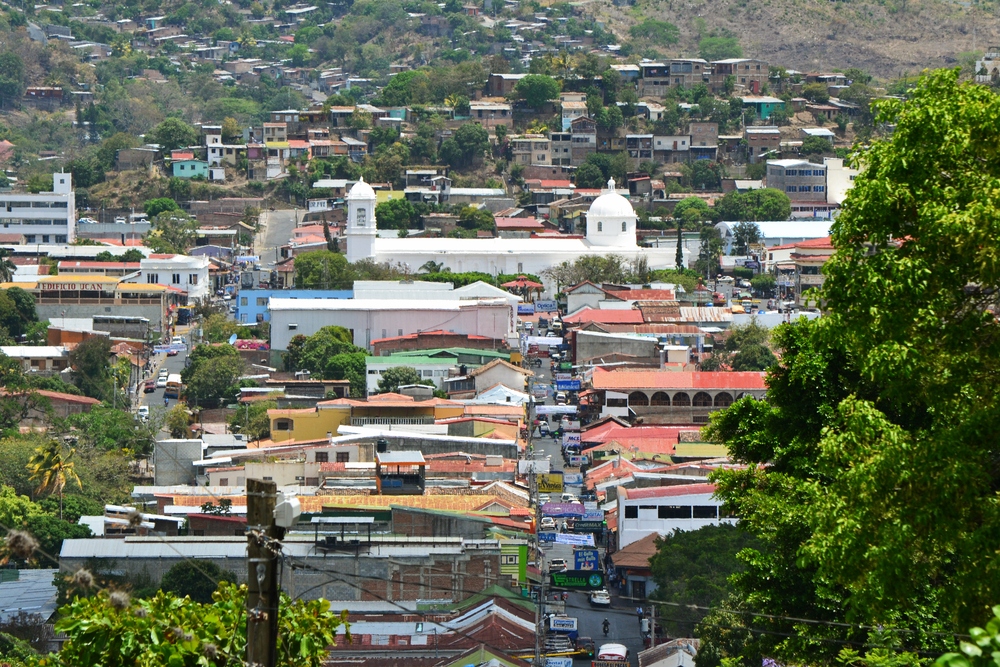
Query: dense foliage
{"points": [[870, 475]]}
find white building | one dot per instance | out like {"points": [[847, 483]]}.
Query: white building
{"points": [[611, 223], [369, 319], [46, 217], [182, 272], [664, 509], [839, 179]]}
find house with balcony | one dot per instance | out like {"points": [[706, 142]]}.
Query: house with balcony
{"points": [[798, 268], [529, 149], [747, 74], [672, 397]]}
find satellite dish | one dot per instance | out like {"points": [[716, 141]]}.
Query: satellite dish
{"points": [[232, 339]]}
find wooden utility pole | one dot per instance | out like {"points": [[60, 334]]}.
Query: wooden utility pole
{"points": [[262, 574]]}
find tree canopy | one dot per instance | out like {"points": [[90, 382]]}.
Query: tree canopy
{"points": [[332, 354], [391, 379], [537, 89], [869, 473], [761, 204]]}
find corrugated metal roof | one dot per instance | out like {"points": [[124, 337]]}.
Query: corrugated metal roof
{"points": [[33, 593]]}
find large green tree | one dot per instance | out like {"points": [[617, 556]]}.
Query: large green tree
{"points": [[536, 89], [91, 364], [212, 376], [870, 473], [174, 133], [322, 269], [761, 204], [331, 353], [196, 579], [391, 379]]}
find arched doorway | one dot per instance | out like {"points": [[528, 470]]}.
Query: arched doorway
{"points": [[681, 400], [638, 398], [702, 400], [723, 399], [660, 398]]}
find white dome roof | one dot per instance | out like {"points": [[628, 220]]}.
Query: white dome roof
{"points": [[610, 204], [361, 190]]}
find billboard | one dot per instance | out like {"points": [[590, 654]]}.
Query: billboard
{"points": [[550, 483], [567, 385], [562, 623], [527, 467], [547, 537], [555, 410], [525, 309], [572, 439], [546, 306], [585, 540], [563, 376], [588, 527], [581, 580], [586, 559], [577, 461], [572, 477]]}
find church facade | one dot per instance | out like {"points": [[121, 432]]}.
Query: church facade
{"points": [[611, 227]]}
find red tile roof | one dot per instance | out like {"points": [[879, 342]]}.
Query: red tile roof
{"points": [[518, 223], [624, 379], [669, 491], [605, 316], [643, 294], [425, 334]]}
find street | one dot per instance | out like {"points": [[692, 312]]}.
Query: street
{"points": [[154, 399], [275, 231]]}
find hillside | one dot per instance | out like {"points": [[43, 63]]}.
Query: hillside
{"points": [[887, 38]]}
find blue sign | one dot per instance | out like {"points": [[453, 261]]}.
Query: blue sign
{"points": [[567, 385], [586, 559], [593, 515], [546, 537], [525, 309], [546, 306]]}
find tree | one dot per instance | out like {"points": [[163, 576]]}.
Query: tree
{"points": [[761, 204], [707, 263], [174, 133], [330, 353], [7, 267], [693, 208], [476, 219], [693, 567], [154, 207], [106, 429], [17, 311], [705, 175], [391, 379], [763, 284], [816, 146], [396, 213], [868, 471], [51, 469], [231, 129], [252, 420], [658, 32], [322, 269], [177, 422], [90, 361], [100, 630], [745, 235], [589, 175], [173, 231], [217, 328], [536, 90], [12, 78], [212, 376], [197, 580], [816, 92], [719, 48]]}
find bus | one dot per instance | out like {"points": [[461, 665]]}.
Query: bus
{"points": [[174, 386]]}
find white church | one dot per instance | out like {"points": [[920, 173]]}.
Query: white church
{"points": [[611, 223]]}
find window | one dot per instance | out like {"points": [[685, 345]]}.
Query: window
{"points": [[293, 327], [283, 425], [791, 172], [819, 188], [362, 217], [706, 512], [60, 238], [819, 172], [804, 188], [176, 279], [508, 559], [673, 512], [261, 301], [223, 481], [243, 301], [343, 457], [152, 278], [520, 267], [312, 481], [322, 457], [631, 512], [600, 226], [30, 238], [624, 226], [805, 172], [616, 402], [790, 188], [45, 238], [192, 279]]}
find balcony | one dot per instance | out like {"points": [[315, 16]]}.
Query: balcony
{"points": [[391, 421]]}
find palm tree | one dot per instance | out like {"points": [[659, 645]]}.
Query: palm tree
{"points": [[52, 470], [7, 267], [431, 266]]}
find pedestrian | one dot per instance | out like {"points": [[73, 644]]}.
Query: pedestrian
{"points": [[638, 612], [166, 402]]}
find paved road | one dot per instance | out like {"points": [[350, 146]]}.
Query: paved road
{"points": [[276, 230]]}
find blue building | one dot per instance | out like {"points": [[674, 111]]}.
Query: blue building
{"points": [[190, 168], [251, 305]]}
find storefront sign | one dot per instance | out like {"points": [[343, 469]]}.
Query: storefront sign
{"points": [[581, 580], [550, 483], [546, 306]]}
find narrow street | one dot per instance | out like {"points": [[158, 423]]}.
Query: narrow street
{"points": [[276, 229]]}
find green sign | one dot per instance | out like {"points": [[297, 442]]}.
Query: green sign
{"points": [[581, 580]]}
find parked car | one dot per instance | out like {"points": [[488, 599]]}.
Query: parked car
{"points": [[557, 565], [142, 414], [177, 340], [149, 387], [600, 599]]}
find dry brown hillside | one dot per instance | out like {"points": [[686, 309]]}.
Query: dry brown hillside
{"points": [[897, 36]]}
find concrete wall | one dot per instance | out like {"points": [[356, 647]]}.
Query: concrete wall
{"points": [[151, 312], [174, 461], [590, 345], [420, 523]]}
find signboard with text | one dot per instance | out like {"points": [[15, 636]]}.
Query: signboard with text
{"points": [[586, 559], [577, 461], [588, 526], [555, 410], [571, 478], [550, 483], [572, 439], [547, 537], [525, 309], [562, 623], [567, 385], [585, 540], [581, 580], [546, 306]]}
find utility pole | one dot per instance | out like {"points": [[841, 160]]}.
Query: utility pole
{"points": [[262, 574]]}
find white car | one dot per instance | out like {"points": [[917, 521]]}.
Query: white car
{"points": [[161, 382], [177, 340], [548, 523], [557, 565], [142, 413], [600, 599]]}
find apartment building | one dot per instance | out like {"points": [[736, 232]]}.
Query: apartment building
{"points": [[46, 217], [748, 74], [181, 272], [801, 180], [658, 77], [528, 149]]}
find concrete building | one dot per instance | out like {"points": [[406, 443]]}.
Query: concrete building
{"points": [[747, 74], [46, 217], [252, 303], [432, 365], [801, 180], [181, 272], [662, 510], [530, 149], [173, 461]]}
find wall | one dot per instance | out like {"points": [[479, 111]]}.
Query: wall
{"points": [[151, 312], [590, 345], [251, 305], [634, 529], [174, 461], [431, 342], [421, 523]]}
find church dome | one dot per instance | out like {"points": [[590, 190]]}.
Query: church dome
{"points": [[361, 190], [609, 205]]}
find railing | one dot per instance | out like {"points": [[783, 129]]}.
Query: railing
{"points": [[387, 421]]}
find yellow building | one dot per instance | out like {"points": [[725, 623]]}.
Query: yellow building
{"points": [[380, 410]]}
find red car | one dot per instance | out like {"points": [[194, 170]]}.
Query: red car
{"points": [[172, 353], [149, 387]]}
